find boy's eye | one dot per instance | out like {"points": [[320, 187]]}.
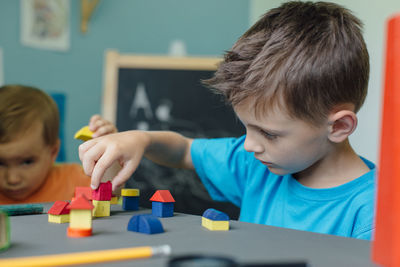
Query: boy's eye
{"points": [[268, 135], [28, 161]]}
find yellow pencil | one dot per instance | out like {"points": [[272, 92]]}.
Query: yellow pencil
{"points": [[88, 257]]}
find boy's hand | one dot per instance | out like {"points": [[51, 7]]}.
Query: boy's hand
{"points": [[98, 154], [99, 126]]}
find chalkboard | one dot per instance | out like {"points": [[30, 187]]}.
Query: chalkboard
{"points": [[166, 93]]}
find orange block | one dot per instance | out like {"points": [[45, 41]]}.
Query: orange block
{"points": [[386, 244]]}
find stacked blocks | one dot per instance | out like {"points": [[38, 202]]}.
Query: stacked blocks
{"points": [[59, 213], [130, 199], [163, 204], [146, 224], [215, 220], [80, 217], [102, 200]]}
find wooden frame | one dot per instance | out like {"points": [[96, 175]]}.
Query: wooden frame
{"points": [[114, 61]]}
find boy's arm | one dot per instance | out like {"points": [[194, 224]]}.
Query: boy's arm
{"points": [[165, 148]]}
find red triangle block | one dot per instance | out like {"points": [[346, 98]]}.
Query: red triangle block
{"points": [[162, 196], [59, 207], [80, 203]]}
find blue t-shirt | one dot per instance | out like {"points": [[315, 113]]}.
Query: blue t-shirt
{"points": [[232, 174]]}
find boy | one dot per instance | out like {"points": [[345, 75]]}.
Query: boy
{"points": [[29, 145], [295, 80]]}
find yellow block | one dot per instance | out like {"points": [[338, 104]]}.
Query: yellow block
{"points": [[215, 225], [114, 200], [81, 219], [129, 192], [63, 218], [101, 208], [84, 134]]}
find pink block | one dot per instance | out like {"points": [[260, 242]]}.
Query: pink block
{"points": [[103, 192]]}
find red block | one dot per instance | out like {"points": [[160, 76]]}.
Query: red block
{"points": [[103, 192], [162, 196], [386, 244], [83, 190], [59, 207]]}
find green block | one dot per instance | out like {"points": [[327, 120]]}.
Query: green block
{"points": [[22, 209], [4, 231]]}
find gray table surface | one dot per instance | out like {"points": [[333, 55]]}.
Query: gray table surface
{"points": [[33, 235]]}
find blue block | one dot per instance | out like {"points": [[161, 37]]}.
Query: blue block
{"points": [[215, 215], [162, 209], [130, 203], [146, 224]]}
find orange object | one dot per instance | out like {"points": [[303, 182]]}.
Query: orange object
{"points": [[162, 196], [75, 232], [59, 185], [386, 244]]}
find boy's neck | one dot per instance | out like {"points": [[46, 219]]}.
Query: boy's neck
{"points": [[338, 167]]}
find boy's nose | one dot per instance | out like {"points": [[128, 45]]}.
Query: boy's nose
{"points": [[251, 145], [12, 178]]}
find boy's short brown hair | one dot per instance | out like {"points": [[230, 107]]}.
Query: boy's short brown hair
{"points": [[310, 55], [21, 107]]}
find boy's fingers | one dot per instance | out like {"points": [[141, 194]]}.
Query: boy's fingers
{"points": [[90, 157], [106, 129], [102, 164], [94, 118], [124, 174], [84, 147]]}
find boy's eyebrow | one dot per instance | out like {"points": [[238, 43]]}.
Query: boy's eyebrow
{"points": [[17, 158], [265, 129]]}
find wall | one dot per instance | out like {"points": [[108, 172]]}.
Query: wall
{"points": [[365, 139], [207, 27]]}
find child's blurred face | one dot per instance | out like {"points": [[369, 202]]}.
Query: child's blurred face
{"points": [[25, 163], [284, 144]]}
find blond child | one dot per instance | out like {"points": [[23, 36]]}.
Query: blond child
{"points": [[29, 144]]}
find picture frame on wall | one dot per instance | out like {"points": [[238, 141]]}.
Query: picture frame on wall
{"points": [[45, 24]]}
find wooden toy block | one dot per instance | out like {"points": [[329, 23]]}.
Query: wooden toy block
{"points": [[215, 215], [22, 209], [146, 224], [215, 225], [130, 192], [63, 218], [80, 220], [114, 200], [215, 220], [77, 233], [130, 203], [4, 231], [386, 241], [162, 196], [101, 208], [83, 190], [163, 203], [59, 213], [161, 209], [84, 134], [103, 192]]}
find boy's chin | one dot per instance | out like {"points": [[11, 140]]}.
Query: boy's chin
{"points": [[278, 171]]}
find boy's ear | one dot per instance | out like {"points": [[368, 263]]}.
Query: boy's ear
{"points": [[55, 149], [342, 124]]}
